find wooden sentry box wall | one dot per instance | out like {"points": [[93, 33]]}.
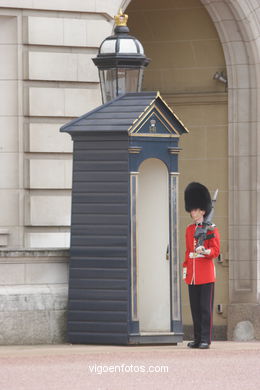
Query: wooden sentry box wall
{"points": [[100, 308]]}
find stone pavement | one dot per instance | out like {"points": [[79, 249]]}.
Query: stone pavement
{"points": [[227, 365]]}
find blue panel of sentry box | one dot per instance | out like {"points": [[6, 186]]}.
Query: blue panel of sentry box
{"points": [[124, 280]]}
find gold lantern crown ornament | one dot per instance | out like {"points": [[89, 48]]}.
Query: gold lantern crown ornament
{"points": [[121, 18]]}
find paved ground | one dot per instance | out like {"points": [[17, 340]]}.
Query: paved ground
{"points": [[227, 365]]}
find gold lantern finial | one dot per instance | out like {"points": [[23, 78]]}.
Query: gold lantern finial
{"points": [[121, 18]]}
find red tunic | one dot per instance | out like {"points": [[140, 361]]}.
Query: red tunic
{"points": [[201, 270]]}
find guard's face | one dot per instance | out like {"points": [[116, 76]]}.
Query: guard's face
{"points": [[197, 215]]}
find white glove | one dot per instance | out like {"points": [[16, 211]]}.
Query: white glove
{"points": [[193, 255], [202, 250], [184, 273]]}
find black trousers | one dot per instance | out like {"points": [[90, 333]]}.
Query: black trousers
{"points": [[201, 303]]}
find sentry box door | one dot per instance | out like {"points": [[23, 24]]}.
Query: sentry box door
{"points": [[155, 272], [153, 266]]}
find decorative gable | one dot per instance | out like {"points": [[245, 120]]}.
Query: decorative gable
{"points": [[153, 124], [157, 120]]}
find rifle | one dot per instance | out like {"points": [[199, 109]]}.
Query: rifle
{"points": [[201, 231]]}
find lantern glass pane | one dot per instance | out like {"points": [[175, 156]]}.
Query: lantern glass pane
{"points": [[140, 79], [141, 49], [128, 80], [108, 84], [108, 46], [127, 46], [115, 82]]}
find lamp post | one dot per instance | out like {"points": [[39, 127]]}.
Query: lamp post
{"points": [[120, 61]]}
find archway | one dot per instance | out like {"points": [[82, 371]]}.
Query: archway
{"points": [[237, 25]]}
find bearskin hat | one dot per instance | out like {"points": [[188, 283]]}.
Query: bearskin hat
{"points": [[197, 196]]}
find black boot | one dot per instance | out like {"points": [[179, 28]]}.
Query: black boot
{"points": [[203, 345], [193, 344]]}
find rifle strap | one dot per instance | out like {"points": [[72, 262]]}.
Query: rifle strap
{"points": [[209, 236]]}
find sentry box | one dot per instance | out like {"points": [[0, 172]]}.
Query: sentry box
{"points": [[124, 278]]}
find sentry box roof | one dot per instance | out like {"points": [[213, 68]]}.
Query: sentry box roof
{"points": [[135, 113]]}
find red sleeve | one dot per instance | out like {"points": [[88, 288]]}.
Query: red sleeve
{"points": [[214, 245]]}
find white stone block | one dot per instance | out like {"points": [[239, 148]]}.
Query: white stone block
{"points": [[254, 21], [254, 4], [80, 101], [49, 210], [239, 105], [74, 32], [4, 237], [45, 31], [52, 66], [50, 174], [8, 63], [67, 5], [15, 239], [228, 31], [247, 104], [237, 53], [97, 31], [9, 170], [48, 240], [46, 137], [9, 201], [8, 134], [46, 273], [8, 98], [86, 69], [243, 10], [243, 139], [110, 6], [220, 11], [46, 102], [62, 66], [8, 29], [239, 76], [88, 32], [12, 274], [63, 101], [17, 3], [33, 327], [33, 297], [245, 199], [246, 166]]}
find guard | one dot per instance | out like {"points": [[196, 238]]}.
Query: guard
{"points": [[202, 246]]}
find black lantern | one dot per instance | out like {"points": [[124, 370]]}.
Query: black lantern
{"points": [[121, 62]]}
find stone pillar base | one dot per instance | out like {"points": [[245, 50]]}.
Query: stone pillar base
{"points": [[243, 321], [33, 315], [33, 296]]}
